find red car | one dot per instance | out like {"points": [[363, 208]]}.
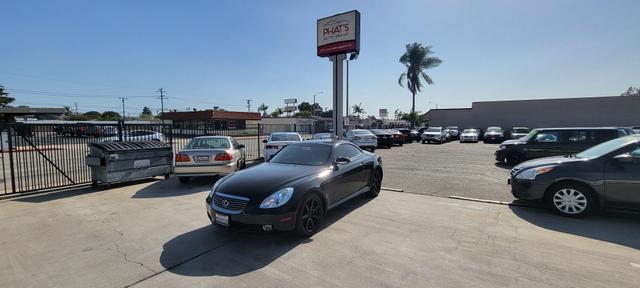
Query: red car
{"points": [[398, 137]]}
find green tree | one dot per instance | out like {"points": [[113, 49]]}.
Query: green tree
{"points": [[277, 112], [397, 114], [146, 113], [263, 108], [631, 91], [412, 117], [110, 116], [416, 59], [4, 97], [303, 114], [357, 109], [92, 115], [327, 114]]}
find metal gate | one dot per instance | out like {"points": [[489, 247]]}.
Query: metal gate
{"points": [[40, 156]]}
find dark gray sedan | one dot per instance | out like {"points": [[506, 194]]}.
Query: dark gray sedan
{"points": [[604, 176]]}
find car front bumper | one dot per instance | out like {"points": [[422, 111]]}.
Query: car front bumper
{"points": [[500, 155], [204, 170], [468, 139], [527, 189], [385, 142], [280, 220], [366, 143]]}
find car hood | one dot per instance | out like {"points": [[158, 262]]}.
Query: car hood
{"points": [[493, 133], [432, 133], [513, 142], [556, 160], [469, 134], [264, 179]]}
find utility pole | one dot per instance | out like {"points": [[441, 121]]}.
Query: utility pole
{"points": [[161, 97], [76, 103], [123, 98], [249, 105]]}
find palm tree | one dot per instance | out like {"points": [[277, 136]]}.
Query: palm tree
{"points": [[263, 108], [417, 59], [357, 109], [277, 112], [397, 113]]}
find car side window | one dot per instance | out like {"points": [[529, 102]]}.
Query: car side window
{"points": [[547, 137], [346, 151], [577, 136], [600, 136]]}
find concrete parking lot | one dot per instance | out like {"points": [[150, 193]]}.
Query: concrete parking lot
{"points": [[458, 169], [156, 234]]}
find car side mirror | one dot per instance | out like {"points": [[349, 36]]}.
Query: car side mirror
{"points": [[264, 141], [624, 158], [339, 162], [241, 146]]}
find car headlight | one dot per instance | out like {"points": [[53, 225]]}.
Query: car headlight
{"points": [[277, 199], [502, 147], [531, 174]]}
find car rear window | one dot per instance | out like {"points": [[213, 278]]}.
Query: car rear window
{"points": [[209, 143], [285, 137]]}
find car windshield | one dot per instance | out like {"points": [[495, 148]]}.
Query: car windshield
{"points": [[469, 131], [494, 129], [606, 147], [438, 129], [303, 154], [379, 131], [286, 137], [362, 132], [520, 130], [209, 143]]}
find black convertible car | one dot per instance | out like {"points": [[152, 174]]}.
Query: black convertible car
{"points": [[295, 189]]}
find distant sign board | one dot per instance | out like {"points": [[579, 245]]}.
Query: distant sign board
{"points": [[383, 113], [290, 101], [339, 34]]}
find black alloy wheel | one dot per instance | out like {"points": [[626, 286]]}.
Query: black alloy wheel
{"points": [[310, 215], [376, 184]]}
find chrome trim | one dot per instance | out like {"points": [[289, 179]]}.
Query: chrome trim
{"points": [[354, 195], [232, 196]]}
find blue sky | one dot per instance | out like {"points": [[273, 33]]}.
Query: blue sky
{"points": [[207, 53]]}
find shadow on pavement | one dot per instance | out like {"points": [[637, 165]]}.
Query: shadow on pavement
{"points": [[503, 165], [613, 228], [210, 251], [171, 187], [72, 192]]}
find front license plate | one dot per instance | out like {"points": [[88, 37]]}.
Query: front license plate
{"points": [[202, 158], [222, 219]]}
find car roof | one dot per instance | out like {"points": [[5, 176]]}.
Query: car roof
{"points": [[332, 142], [580, 128], [212, 136]]}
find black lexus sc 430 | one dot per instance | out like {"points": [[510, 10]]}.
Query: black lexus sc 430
{"points": [[295, 189]]}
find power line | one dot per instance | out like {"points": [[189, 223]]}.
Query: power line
{"points": [[71, 94]]}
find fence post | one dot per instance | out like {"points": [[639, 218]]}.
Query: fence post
{"points": [[259, 143], [11, 166], [120, 129]]}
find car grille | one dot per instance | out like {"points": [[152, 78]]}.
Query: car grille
{"points": [[230, 202]]}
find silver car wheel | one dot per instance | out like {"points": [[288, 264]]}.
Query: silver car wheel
{"points": [[570, 201]]}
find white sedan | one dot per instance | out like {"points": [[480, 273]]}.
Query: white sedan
{"points": [[277, 140], [362, 138], [469, 135], [209, 156]]}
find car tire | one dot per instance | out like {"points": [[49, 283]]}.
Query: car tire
{"points": [[514, 158], [376, 184], [571, 199], [424, 142], [309, 215], [183, 180], [401, 144], [373, 149]]}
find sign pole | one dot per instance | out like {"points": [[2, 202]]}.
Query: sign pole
{"points": [[338, 100]]}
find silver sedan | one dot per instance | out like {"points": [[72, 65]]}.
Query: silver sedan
{"points": [[209, 156]]}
